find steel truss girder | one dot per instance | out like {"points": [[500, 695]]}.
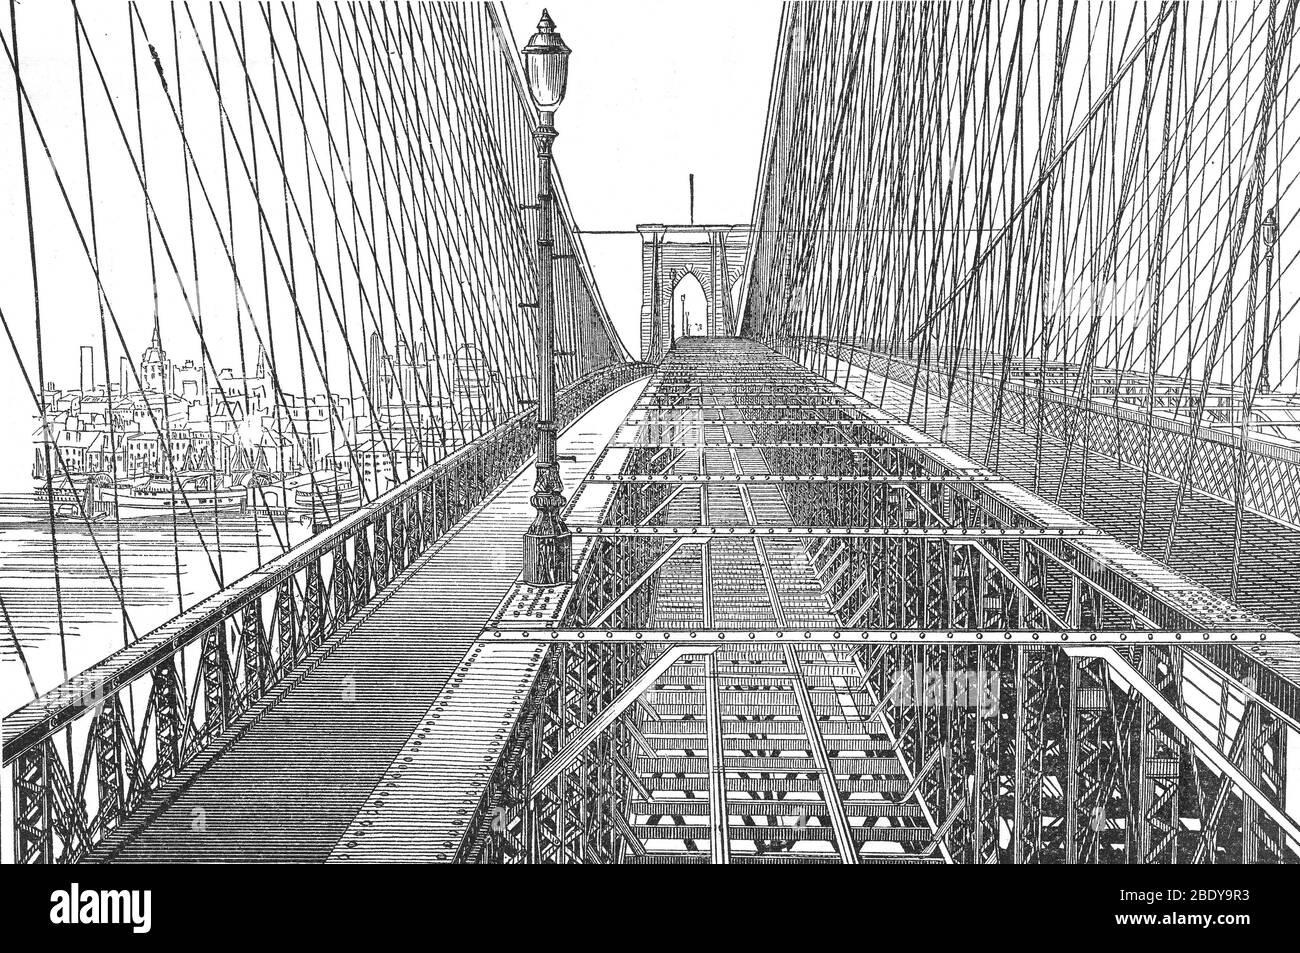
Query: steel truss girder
{"points": [[1049, 746], [566, 815], [1154, 677], [506, 632], [1057, 752]]}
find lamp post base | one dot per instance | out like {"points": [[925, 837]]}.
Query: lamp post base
{"points": [[548, 558]]}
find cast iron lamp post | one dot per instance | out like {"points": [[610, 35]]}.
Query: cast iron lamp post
{"points": [[548, 545]]}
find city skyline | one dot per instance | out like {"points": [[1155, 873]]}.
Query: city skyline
{"points": [[162, 416]]}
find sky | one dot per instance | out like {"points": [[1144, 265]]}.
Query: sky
{"points": [[657, 92]]}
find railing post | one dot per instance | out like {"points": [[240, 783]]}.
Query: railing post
{"points": [[398, 546], [255, 653], [33, 824], [361, 569], [440, 520], [314, 610], [215, 695], [167, 719], [108, 757], [429, 516], [286, 624], [414, 526], [379, 562], [340, 583]]}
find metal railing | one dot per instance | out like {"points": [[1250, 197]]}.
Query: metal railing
{"points": [[1270, 483], [86, 755]]}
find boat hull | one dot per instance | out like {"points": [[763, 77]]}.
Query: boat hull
{"points": [[131, 506]]}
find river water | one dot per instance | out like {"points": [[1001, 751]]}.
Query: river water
{"points": [[114, 582]]}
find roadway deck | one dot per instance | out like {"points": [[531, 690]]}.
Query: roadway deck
{"points": [[286, 787], [778, 708], [803, 767]]}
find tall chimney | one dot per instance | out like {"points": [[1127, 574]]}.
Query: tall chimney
{"points": [[87, 369], [124, 382]]}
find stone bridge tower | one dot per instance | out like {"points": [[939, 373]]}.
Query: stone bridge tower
{"points": [[715, 254]]}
